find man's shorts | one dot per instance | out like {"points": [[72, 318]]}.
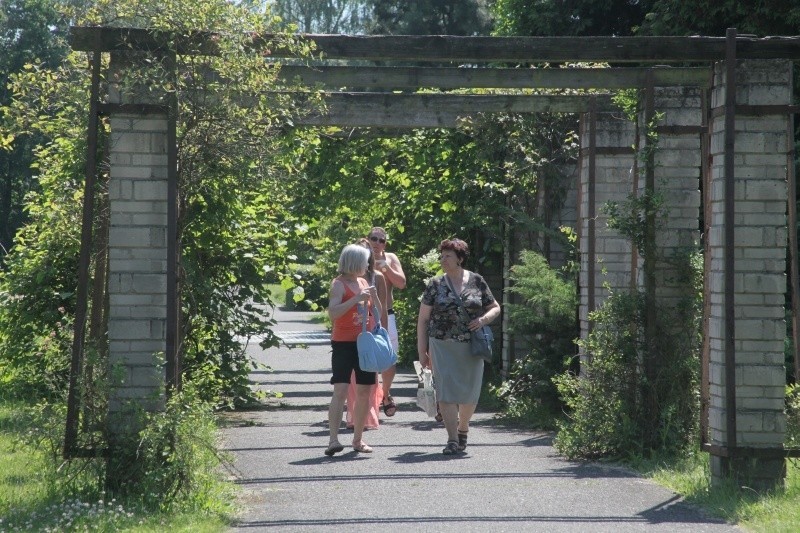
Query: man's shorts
{"points": [[392, 329]]}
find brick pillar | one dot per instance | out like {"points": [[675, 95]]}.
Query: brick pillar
{"points": [[138, 265], [677, 172], [613, 181], [761, 144]]}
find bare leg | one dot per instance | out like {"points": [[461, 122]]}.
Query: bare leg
{"points": [[359, 417], [387, 376], [450, 416], [465, 412], [335, 411]]}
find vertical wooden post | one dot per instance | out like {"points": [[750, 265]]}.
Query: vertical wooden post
{"points": [[173, 363], [730, 208], [794, 271], [76, 364], [592, 214], [705, 355]]}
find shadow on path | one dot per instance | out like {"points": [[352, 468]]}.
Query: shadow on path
{"points": [[510, 479]]}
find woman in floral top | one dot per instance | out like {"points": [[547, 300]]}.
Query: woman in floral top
{"points": [[444, 330]]}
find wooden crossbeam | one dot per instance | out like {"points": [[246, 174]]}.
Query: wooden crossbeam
{"points": [[448, 48], [386, 110], [392, 78]]}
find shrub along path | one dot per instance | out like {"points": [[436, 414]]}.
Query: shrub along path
{"points": [[510, 479]]}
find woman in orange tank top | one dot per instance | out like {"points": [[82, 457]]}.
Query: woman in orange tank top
{"points": [[348, 292], [373, 418]]}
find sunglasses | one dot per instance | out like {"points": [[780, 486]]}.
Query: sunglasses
{"points": [[377, 239]]}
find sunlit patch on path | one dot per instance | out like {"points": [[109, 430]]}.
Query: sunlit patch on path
{"points": [[304, 337]]}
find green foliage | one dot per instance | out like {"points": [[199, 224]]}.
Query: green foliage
{"points": [[331, 16], [689, 476], [426, 186], [645, 17], [175, 462], [544, 320], [429, 17], [556, 17], [233, 219], [635, 396], [700, 17], [603, 404], [234, 222], [308, 289], [37, 288], [629, 217], [29, 34], [792, 416], [39, 491]]}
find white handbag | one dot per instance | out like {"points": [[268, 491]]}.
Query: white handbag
{"points": [[426, 396]]}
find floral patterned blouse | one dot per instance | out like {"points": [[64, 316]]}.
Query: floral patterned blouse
{"points": [[448, 319]]}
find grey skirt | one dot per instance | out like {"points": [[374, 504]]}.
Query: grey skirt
{"points": [[457, 374]]}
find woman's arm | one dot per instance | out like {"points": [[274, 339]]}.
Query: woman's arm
{"points": [[422, 334], [337, 306], [490, 312]]}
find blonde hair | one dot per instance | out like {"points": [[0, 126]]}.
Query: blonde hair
{"points": [[353, 259]]}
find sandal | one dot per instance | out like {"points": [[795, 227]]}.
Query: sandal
{"points": [[333, 448], [438, 416], [462, 440], [362, 448], [389, 407], [451, 448]]}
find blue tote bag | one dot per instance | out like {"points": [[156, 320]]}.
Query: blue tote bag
{"points": [[375, 351]]}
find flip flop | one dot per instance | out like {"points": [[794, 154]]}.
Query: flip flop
{"points": [[389, 407], [333, 449]]}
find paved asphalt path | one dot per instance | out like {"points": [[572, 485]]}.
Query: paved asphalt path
{"points": [[510, 480]]}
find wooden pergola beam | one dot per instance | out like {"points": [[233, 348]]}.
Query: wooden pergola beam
{"points": [[393, 78], [447, 48], [391, 110]]}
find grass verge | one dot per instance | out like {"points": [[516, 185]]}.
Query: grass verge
{"points": [[37, 493], [776, 511]]}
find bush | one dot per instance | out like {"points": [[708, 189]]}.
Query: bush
{"points": [[602, 403], [633, 397], [308, 290], [174, 474], [176, 461], [545, 320]]}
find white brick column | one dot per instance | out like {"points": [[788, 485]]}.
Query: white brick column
{"points": [[677, 170], [613, 181], [138, 262], [761, 145]]}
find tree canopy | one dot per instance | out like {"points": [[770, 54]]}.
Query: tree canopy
{"points": [[31, 32]]}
